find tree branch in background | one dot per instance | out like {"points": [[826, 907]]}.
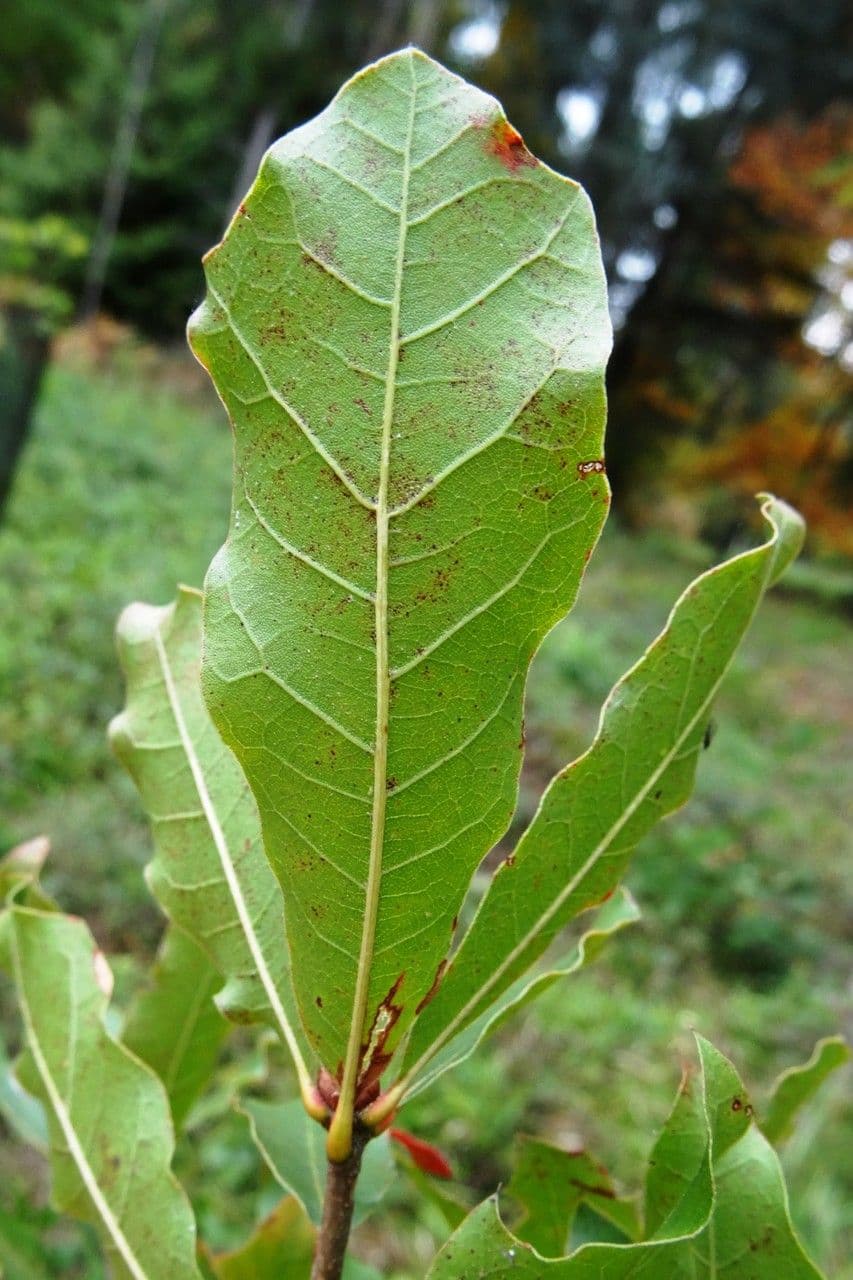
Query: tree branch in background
{"points": [[115, 187]]}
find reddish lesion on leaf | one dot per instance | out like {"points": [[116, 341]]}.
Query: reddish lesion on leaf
{"points": [[507, 145], [436, 982], [374, 1059]]}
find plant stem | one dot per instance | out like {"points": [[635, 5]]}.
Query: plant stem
{"points": [[338, 1202]]}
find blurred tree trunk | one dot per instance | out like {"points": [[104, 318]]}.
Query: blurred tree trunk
{"points": [[260, 137], [294, 22], [23, 359], [118, 172]]}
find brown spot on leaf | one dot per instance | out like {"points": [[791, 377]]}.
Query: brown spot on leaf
{"points": [[439, 974], [507, 145], [607, 1192], [374, 1059]]}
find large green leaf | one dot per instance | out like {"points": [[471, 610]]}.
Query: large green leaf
{"points": [[716, 1205], [407, 322], [798, 1085], [174, 1025], [641, 766], [209, 872], [110, 1130]]}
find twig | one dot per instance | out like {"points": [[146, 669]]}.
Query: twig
{"points": [[337, 1210]]}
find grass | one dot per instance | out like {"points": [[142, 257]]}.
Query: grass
{"points": [[123, 491]]}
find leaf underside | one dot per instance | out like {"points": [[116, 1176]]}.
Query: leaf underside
{"points": [[640, 767], [407, 323], [716, 1206], [209, 872], [108, 1116], [174, 1026]]}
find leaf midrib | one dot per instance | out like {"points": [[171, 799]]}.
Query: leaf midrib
{"points": [[341, 1128]]}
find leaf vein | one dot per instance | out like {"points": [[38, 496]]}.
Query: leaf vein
{"points": [[305, 559], [289, 410]]}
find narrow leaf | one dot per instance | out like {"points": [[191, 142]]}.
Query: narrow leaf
{"points": [[209, 872], [676, 1187], [618, 912], [110, 1130], [407, 322], [425, 1155], [174, 1025], [641, 766], [294, 1150], [798, 1085], [722, 1208]]}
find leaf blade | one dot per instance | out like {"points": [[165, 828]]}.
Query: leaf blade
{"points": [[111, 1133], [620, 912], [209, 872], [796, 1087], [640, 766], [173, 1025], [348, 514], [726, 1200], [550, 1184]]}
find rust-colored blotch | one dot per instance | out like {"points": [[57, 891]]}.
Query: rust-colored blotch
{"points": [[507, 144]]}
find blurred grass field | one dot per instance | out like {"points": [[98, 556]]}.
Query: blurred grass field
{"points": [[746, 894]]}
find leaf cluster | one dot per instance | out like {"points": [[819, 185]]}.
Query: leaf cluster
{"points": [[407, 323]]}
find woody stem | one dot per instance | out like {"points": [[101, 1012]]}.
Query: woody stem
{"points": [[338, 1203]]}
